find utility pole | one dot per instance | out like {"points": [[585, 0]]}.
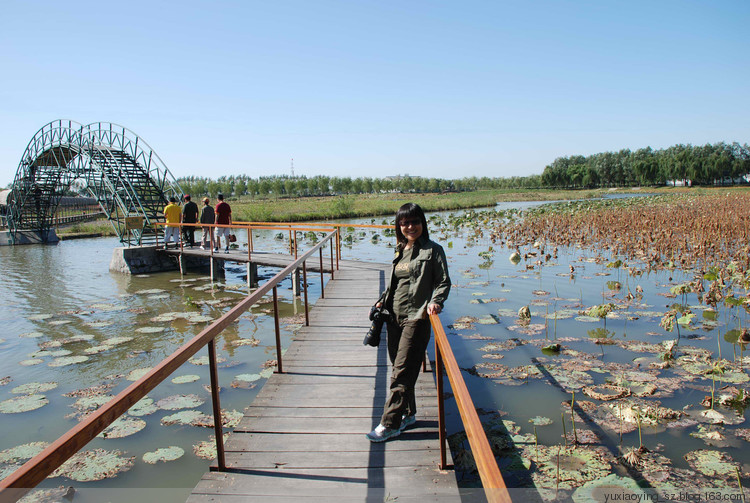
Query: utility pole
{"points": [[292, 167]]}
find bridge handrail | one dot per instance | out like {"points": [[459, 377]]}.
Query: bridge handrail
{"points": [[14, 486], [492, 480], [293, 243]]}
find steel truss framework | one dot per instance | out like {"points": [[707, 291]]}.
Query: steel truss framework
{"points": [[112, 163]]}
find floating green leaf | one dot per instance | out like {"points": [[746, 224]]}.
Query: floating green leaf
{"points": [[185, 379], [175, 402], [23, 404], [67, 360], [123, 427], [22, 452], [34, 387], [163, 454], [97, 464]]}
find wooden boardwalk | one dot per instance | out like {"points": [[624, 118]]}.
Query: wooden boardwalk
{"points": [[303, 437]]}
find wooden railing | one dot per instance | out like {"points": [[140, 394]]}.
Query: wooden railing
{"points": [[298, 226], [492, 480], [39, 467], [249, 226]]}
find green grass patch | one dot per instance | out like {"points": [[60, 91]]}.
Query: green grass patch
{"points": [[363, 205]]}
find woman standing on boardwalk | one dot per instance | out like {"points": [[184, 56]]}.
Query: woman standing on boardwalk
{"points": [[416, 288]]}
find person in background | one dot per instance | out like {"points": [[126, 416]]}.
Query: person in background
{"points": [[223, 217], [207, 217], [416, 288], [172, 215], [189, 216]]}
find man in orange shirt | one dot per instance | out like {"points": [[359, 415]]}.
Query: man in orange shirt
{"points": [[173, 215]]}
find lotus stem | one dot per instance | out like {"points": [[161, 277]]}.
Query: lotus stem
{"points": [[573, 418], [638, 420], [557, 484], [565, 433], [713, 387], [536, 444]]}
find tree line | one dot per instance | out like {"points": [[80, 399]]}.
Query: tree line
{"points": [[287, 186], [720, 163]]}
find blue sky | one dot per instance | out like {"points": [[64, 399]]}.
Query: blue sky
{"points": [[376, 88]]}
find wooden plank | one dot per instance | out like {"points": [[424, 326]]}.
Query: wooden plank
{"points": [[424, 482], [425, 412], [304, 459], [315, 425], [328, 442]]}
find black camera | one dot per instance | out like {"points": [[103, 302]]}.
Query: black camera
{"points": [[378, 316]]}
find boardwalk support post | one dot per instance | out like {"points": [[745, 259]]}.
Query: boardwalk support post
{"points": [[218, 429], [279, 369]]}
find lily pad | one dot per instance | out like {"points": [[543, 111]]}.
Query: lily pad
{"points": [[23, 404], [67, 360], [34, 387], [182, 417], [712, 463], [203, 360], [5, 380], [39, 317], [150, 330], [163, 454], [94, 350], [91, 402], [612, 487], [114, 341], [123, 427], [136, 374], [30, 362], [99, 324], [143, 407], [176, 402], [59, 322], [606, 392], [31, 335], [22, 452], [96, 464], [207, 449], [185, 379], [557, 466], [540, 421]]}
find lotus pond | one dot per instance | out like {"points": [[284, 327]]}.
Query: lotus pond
{"points": [[592, 365]]}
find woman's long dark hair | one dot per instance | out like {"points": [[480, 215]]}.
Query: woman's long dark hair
{"points": [[407, 211]]}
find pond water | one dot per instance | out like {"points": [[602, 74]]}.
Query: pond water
{"points": [[63, 298]]}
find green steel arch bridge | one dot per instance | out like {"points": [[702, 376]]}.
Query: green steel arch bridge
{"points": [[110, 162]]}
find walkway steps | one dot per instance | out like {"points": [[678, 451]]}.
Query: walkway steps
{"points": [[304, 434]]}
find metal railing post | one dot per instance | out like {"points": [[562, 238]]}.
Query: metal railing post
{"points": [[322, 285], [441, 406], [279, 369], [304, 283], [218, 429], [250, 242], [330, 243]]}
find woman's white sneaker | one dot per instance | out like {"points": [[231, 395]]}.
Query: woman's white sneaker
{"points": [[382, 433]]}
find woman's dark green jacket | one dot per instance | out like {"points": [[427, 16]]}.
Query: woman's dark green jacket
{"points": [[429, 281]]}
